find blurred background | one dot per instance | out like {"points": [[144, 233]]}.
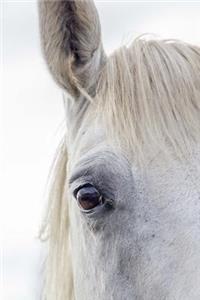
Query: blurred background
{"points": [[33, 118]]}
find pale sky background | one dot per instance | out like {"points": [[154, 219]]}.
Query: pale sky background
{"points": [[33, 117]]}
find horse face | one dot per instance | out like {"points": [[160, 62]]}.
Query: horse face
{"points": [[134, 232]]}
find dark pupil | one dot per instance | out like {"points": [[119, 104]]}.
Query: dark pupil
{"points": [[88, 197]]}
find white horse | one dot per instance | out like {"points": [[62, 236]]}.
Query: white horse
{"points": [[123, 220]]}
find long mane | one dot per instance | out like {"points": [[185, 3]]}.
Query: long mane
{"points": [[58, 279], [149, 94]]}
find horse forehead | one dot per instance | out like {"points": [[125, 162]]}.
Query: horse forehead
{"points": [[174, 183], [159, 175]]}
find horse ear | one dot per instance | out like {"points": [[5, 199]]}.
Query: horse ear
{"points": [[71, 42]]}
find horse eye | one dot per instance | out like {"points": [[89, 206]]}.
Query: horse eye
{"points": [[88, 197]]}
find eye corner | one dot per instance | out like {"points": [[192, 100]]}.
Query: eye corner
{"points": [[109, 204]]}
